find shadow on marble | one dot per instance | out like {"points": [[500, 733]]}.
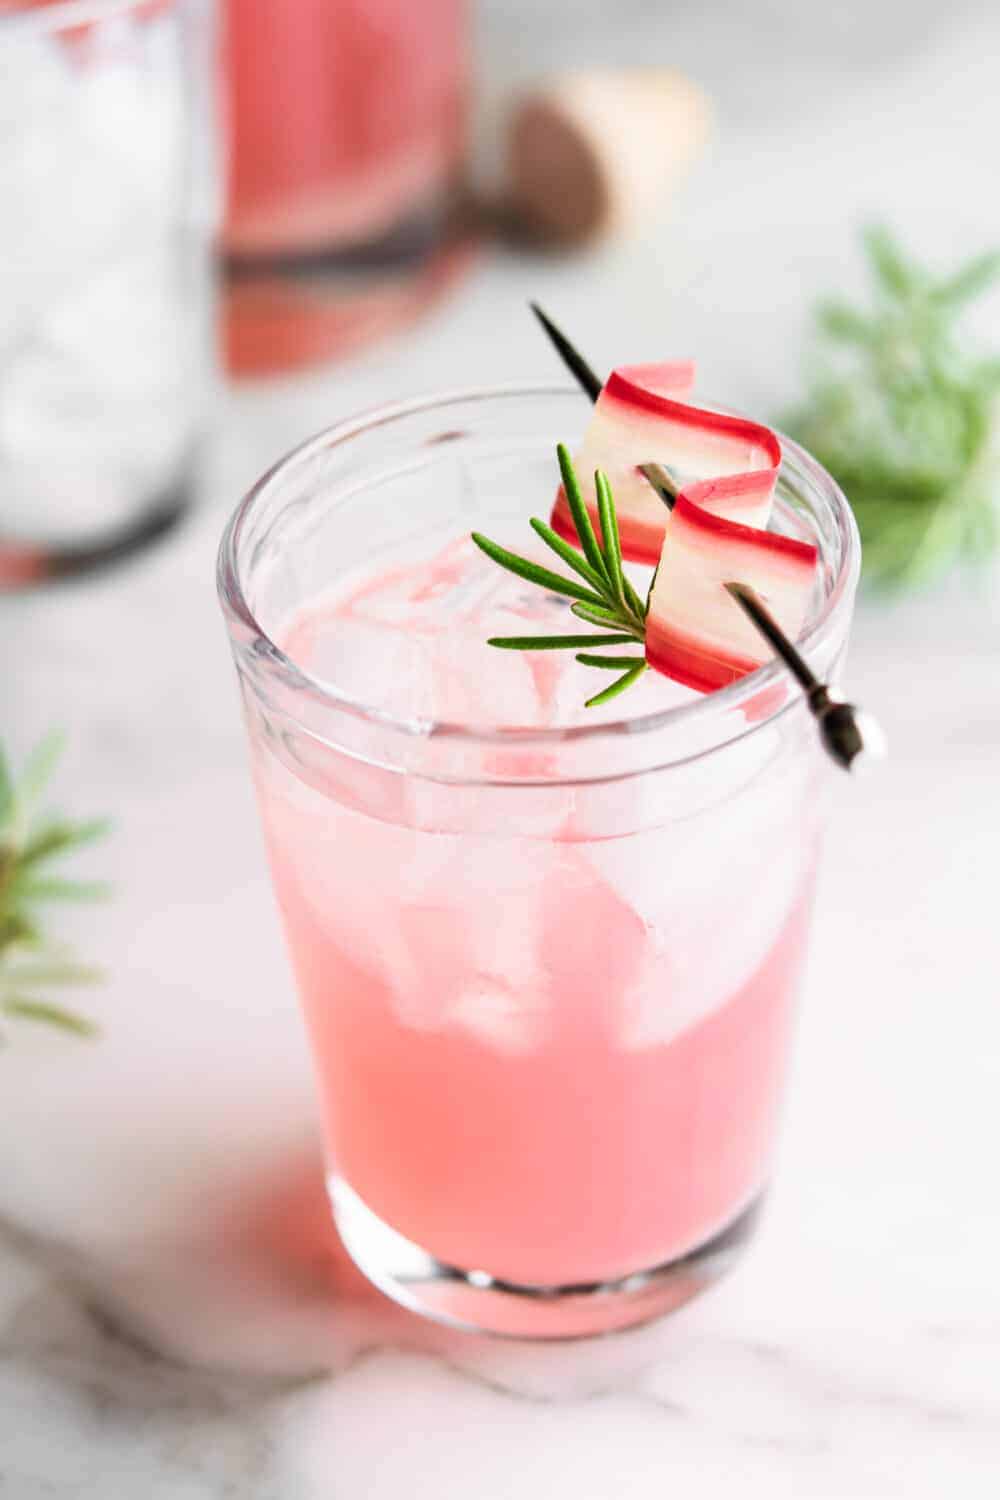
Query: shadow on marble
{"points": [[247, 1277]]}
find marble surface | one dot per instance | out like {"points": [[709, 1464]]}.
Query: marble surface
{"points": [[176, 1319]]}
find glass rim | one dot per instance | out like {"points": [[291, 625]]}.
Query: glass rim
{"points": [[730, 699], [66, 15]]}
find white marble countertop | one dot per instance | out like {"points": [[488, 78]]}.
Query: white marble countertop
{"points": [[175, 1317]]}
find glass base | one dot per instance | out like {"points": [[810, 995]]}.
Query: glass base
{"points": [[479, 1303], [285, 312], [24, 564]]}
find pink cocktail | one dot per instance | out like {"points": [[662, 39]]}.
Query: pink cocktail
{"points": [[345, 127], [548, 956], [345, 119]]}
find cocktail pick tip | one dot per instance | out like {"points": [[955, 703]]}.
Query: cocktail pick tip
{"points": [[850, 736], [571, 357]]}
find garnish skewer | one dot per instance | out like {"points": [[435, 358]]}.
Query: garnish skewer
{"points": [[848, 735]]}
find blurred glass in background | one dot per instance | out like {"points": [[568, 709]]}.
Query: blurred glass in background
{"points": [[346, 141], [107, 176]]}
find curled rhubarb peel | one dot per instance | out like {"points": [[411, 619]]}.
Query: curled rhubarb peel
{"points": [[725, 464], [693, 632], [726, 468]]}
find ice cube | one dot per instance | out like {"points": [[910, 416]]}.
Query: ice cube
{"points": [[382, 668], [97, 403], [92, 153], [712, 891], [498, 1017], [412, 640], [447, 925], [337, 868], [100, 322], [701, 953], [470, 913]]}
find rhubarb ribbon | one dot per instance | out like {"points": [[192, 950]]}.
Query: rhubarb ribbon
{"points": [[726, 468]]}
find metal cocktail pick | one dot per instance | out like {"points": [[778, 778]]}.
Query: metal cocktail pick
{"points": [[571, 358], [849, 735]]}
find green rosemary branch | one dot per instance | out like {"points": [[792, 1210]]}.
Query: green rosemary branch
{"points": [[905, 417], [608, 600], [31, 964]]}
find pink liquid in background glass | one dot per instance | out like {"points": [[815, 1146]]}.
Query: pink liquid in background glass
{"points": [[345, 117], [554, 1058]]}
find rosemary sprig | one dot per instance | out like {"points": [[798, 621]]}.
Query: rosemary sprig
{"points": [[31, 964], [608, 601], [906, 418]]}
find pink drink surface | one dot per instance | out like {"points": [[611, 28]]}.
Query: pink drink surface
{"points": [[550, 1056], [344, 117]]}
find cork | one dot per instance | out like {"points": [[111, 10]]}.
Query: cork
{"points": [[596, 153]]}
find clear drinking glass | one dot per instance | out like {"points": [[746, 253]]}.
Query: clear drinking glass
{"points": [[109, 190], [547, 959]]}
